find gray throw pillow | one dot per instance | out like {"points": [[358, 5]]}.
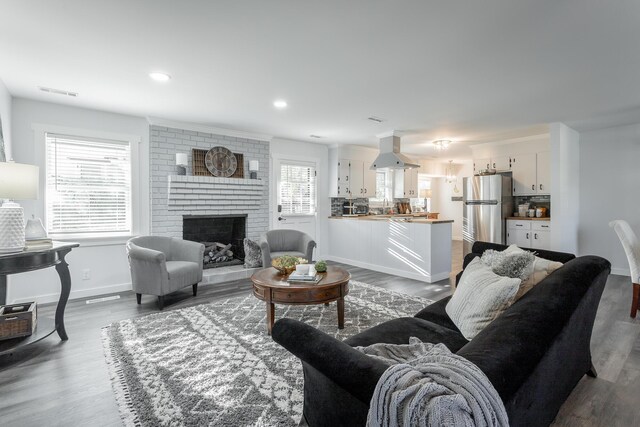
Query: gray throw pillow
{"points": [[252, 254], [518, 265]]}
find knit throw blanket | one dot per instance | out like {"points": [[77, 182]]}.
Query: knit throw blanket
{"points": [[427, 385]]}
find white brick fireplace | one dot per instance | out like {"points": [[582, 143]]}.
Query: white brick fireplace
{"points": [[175, 196]]}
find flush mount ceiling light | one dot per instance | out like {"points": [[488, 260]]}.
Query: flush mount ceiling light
{"points": [[441, 144], [280, 104], [160, 76]]}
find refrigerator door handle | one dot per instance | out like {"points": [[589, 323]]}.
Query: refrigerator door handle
{"points": [[481, 202]]}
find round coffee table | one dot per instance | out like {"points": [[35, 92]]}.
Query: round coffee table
{"points": [[273, 288]]}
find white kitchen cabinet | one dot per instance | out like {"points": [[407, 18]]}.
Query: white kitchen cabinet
{"points": [[531, 174], [529, 234], [524, 168], [481, 164], [501, 163], [363, 179], [406, 183], [351, 178], [344, 178], [420, 251], [543, 172]]}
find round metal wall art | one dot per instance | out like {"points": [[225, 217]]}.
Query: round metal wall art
{"points": [[221, 162]]}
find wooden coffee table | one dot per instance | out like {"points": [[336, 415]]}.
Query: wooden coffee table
{"points": [[272, 287]]}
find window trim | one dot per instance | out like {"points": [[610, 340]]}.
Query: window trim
{"points": [[40, 131], [301, 164]]}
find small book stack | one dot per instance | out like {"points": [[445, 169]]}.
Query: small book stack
{"points": [[35, 244], [309, 276]]}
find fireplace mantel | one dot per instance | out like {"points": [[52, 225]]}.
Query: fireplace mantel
{"points": [[205, 193]]}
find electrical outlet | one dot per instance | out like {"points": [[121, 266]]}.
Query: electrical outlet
{"points": [[86, 274]]}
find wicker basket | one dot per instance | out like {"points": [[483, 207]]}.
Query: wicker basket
{"points": [[18, 320], [200, 169]]}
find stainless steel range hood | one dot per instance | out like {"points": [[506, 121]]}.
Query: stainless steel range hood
{"points": [[390, 156]]}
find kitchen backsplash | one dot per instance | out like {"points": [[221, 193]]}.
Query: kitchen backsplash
{"points": [[534, 202], [362, 205]]}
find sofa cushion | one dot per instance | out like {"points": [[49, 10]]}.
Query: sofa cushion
{"points": [[398, 331], [541, 269], [182, 273], [480, 297], [437, 314]]}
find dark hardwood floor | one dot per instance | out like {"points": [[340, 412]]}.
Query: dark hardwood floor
{"points": [[56, 383]]}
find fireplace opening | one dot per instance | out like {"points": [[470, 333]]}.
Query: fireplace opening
{"points": [[222, 235]]}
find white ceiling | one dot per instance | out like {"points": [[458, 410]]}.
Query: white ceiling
{"points": [[460, 70]]}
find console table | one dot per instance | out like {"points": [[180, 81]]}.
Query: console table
{"points": [[29, 260]]}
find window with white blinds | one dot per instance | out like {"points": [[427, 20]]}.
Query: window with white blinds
{"points": [[297, 189], [88, 185]]}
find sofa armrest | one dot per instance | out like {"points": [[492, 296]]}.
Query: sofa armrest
{"points": [[146, 255], [350, 369], [266, 251], [148, 270], [306, 245], [186, 250]]}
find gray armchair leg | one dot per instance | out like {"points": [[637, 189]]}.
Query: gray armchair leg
{"points": [[195, 289], [592, 371], [139, 298], [161, 302]]}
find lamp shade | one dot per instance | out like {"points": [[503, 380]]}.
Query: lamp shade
{"points": [[254, 166], [425, 193], [181, 159], [18, 181]]}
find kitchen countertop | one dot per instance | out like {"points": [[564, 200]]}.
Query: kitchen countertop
{"points": [[525, 218], [395, 218]]}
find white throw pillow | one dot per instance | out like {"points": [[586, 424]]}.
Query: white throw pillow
{"points": [[541, 269], [480, 297]]}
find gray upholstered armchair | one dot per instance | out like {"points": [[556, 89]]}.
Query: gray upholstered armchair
{"points": [[276, 243], [161, 265]]}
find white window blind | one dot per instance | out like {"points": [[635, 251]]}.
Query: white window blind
{"points": [[297, 189], [88, 185]]}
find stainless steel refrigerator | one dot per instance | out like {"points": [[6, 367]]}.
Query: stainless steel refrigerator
{"points": [[487, 203]]}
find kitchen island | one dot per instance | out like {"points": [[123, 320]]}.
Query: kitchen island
{"points": [[413, 247]]}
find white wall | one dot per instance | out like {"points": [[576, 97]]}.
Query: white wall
{"points": [[609, 183], [107, 262], [5, 115], [299, 150], [442, 193], [565, 187]]}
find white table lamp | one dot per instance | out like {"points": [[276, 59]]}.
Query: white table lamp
{"points": [[17, 182]]}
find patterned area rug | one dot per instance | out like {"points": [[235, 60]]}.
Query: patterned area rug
{"points": [[214, 364]]}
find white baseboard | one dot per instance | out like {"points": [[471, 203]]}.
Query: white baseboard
{"points": [[396, 272], [82, 293], [620, 271]]}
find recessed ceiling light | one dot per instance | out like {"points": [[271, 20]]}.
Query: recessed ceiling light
{"points": [[280, 104], [160, 77]]}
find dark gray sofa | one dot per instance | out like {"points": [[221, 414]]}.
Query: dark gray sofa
{"points": [[534, 353]]}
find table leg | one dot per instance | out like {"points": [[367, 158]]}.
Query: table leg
{"points": [[340, 313], [271, 312], [65, 281], [3, 289]]}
